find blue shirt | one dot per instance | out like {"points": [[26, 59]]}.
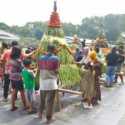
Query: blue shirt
{"points": [[48, 62]]}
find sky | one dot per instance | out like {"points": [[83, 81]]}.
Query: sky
{"points": [[18, 12]]}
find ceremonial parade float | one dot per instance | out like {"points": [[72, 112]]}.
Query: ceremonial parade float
{"points": [[69, 73]]}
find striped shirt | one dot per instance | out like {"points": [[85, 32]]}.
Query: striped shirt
{"points": [[48, 65]]}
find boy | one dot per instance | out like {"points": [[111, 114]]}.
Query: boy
{"points": [[29, 83]]}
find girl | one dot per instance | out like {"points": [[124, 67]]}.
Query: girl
{"points": [[15, 76]]}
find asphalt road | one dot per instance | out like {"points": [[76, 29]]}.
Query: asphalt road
{"points": [[111, 111]]}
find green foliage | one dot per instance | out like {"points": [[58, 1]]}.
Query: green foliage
{"points": [[111, 26], [3, 26], [65, 57], [33, 30], [91, 27], [28, 41], [70, 29], [57, 32], [69, 75]]}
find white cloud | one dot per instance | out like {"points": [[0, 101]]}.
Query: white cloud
{"points": [[21, 11]]}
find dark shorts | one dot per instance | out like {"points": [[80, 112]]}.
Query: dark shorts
{"points": [[18, 85]]}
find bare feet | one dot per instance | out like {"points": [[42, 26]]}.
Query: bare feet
{"points": [[50, 121], [40, 115], [14, 108]]}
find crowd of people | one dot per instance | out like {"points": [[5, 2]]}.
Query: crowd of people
{"points": [[94, 64], [17, 75]]}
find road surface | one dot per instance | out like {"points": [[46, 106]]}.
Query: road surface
{"points": [[111, 111]]}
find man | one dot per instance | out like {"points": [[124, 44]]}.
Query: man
{"points": [[120, 59], [78, 55], [111, 69], [48, 65], [5, 57]]}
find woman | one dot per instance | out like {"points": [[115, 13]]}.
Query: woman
{"points": [[96, 67], [87, 84], [15, 76], [90, 85]]}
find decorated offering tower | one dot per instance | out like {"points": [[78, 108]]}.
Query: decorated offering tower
{"points": [[69, 73]]}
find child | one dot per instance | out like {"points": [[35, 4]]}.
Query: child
{"points": [[29, 83]]}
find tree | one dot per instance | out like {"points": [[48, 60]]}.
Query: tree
{"points": [[5, 27], [111, 25]]}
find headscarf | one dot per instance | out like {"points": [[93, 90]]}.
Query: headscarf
{"points": [[93, 56]]}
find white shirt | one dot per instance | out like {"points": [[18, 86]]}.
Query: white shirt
{"points": [[48, 80]]}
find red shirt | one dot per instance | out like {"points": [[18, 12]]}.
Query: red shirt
{"points": [[6, 57], [7, 53]]}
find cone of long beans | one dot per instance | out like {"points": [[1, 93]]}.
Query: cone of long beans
{"points": [[69, 73]]}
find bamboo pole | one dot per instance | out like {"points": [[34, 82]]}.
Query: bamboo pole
{"points": [[70, 91]]}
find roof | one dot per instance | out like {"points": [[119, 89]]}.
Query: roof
{"points": [[8, 36]]}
